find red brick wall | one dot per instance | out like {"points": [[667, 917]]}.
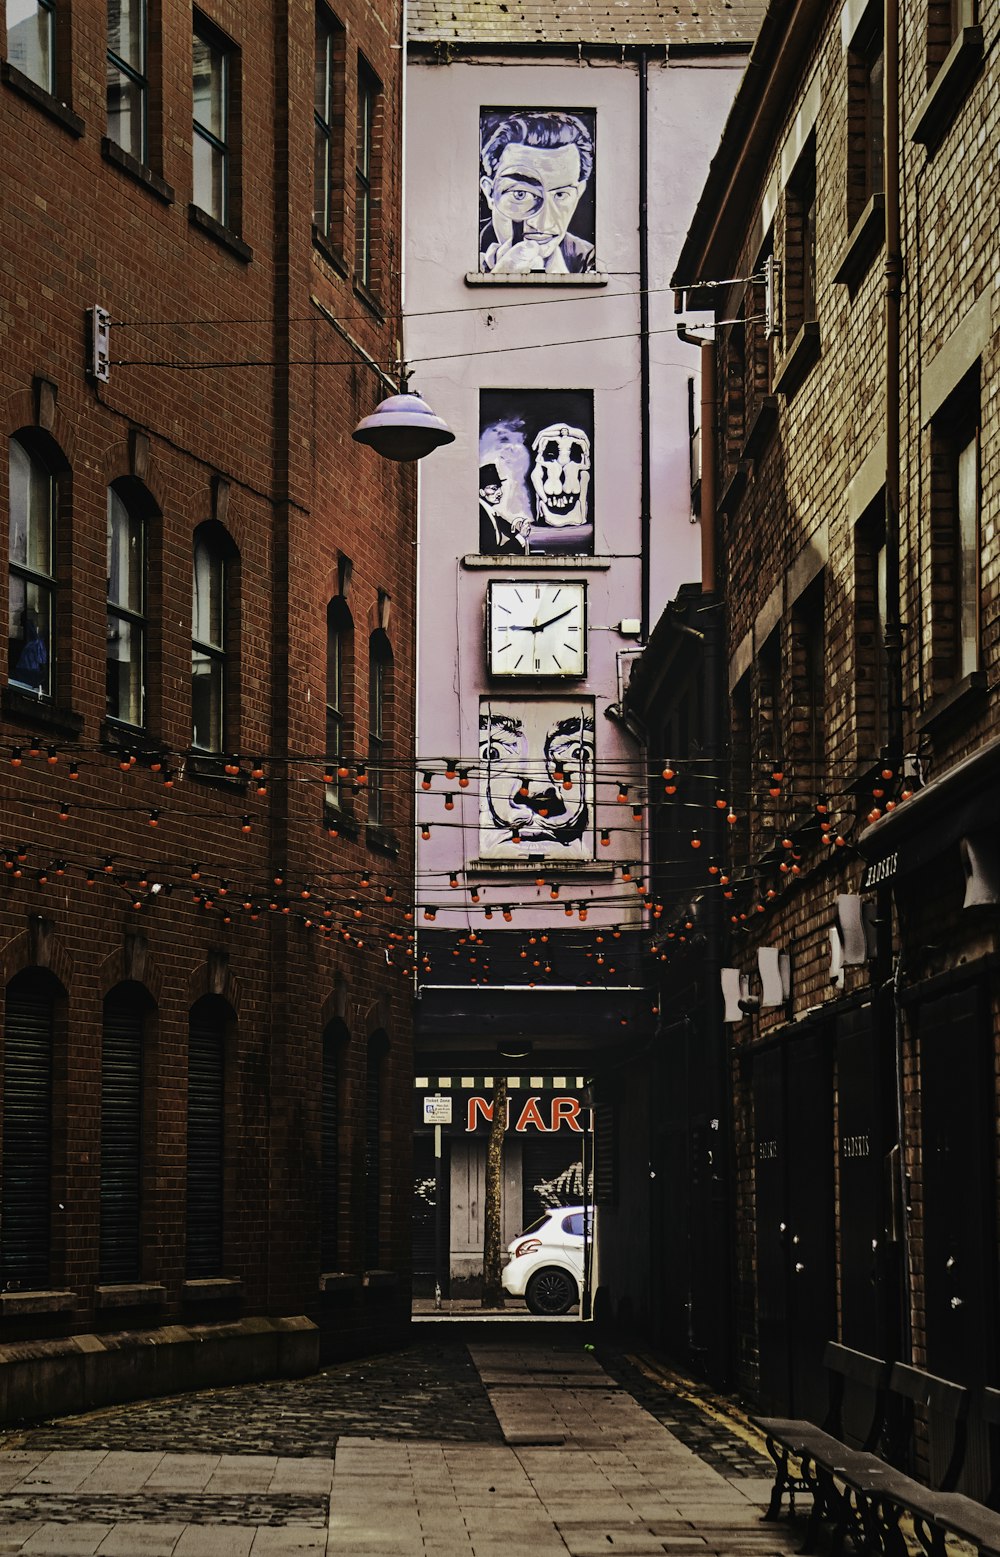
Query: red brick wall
{"points": [[80, 230]]}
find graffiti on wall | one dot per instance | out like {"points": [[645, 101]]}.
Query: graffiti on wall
{"points": [[536, 465], [536, 191], [536, 793]]}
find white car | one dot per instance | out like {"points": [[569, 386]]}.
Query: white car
{"points": [[546, 1261]]}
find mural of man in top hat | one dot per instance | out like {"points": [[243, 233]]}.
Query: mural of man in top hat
{"points": [[498, 532]]}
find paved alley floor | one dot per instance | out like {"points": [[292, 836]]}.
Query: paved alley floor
{"points": [[499, 1446]]}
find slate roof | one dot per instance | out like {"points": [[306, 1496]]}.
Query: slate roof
{"points": [[706, 23]]}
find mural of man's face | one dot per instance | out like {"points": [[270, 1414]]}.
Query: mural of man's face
{"points": [[538, 188], [524, 763]]}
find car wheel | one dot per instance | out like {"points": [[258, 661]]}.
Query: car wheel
{"points": [[551, 1292]]}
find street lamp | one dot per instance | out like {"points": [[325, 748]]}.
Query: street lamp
{"points": [[403, 428]]}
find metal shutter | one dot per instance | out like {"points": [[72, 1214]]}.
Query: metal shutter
{"points": [[605, 1155], [25, 1203], [373, 1155], [330, 1149], [551, 1174], [121, 1140], [205, 1137]]}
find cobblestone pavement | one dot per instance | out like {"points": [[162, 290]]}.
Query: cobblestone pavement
{"points": [[515, 1442], [430, 1390]]}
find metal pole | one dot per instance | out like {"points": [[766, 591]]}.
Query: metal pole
{"points": [[439, 1194]]}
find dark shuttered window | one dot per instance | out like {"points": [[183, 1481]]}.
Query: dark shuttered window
{"points": [[205, 1138], [333, 1042], [25, 1202], [121, 1136], [373, 1151]]}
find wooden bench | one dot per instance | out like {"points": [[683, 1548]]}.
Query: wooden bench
{"points": [[860, 1491]]}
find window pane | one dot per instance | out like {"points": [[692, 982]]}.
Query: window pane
{"points": [[324, 55], [126, 557], [126, 32], [321, 177], [334, 668], [208, 598], [125, 112], [968, 543], [29, 644], [31, 511], [209, 88], [209, 178], [207, 701], [31, 41], [124, 670]]}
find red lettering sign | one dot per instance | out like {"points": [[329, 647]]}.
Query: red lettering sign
{"points": [[566, 1110], [530, 1116]]}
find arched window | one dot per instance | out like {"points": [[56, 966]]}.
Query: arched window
{"points": [[379, 727], [377, 1046], [127, 620], [206, 1136], [339, 656], [125, 1016], [32, 572], [212, 632], [26, 1195], [335, 1039]]}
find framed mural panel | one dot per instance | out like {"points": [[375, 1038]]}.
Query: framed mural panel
{"points": [[527, 748], [536, 191], [536, 466]]}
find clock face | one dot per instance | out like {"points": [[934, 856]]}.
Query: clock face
{"points": [[537, 627]]}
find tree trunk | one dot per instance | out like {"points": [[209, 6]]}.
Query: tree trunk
{"points": [[493, 1219]]}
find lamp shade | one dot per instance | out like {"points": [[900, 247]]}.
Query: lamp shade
{"points": [[403, 428]]}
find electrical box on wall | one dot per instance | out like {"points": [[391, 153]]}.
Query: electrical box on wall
{"points": [[98, 344]]}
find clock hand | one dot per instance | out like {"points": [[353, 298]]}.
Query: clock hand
{"points": [[542, 625]]}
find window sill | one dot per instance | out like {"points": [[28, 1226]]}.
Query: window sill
{"points": [[340, 824], [135, 1294], [948, 90], [867, 237], [798, 359], [370, 301], [537, 278], [50, 105], [733, 491], [339, 1281], [552, 870], [962, 701], [381, 841], [556, 564], [42, 715], [13, 1304], [380, 1280], [211, 1289], [206, 769], [326, 250], [761, 429], [222, 235], [113, 153]]}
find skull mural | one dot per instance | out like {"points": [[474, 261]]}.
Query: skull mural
{"points": [[560, 475]]}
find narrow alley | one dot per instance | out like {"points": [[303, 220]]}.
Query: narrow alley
{"points": [[472, 1442]]}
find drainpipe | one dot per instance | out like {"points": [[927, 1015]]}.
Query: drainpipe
{"points": [[708, 420], [645, 516], [893, 288]]}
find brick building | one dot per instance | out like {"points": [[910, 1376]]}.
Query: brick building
{"points": [[842, 978], [206, 1058]]}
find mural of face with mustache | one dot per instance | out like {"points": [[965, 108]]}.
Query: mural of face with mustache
{"points": [[525, 753]]}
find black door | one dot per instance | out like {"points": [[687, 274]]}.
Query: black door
{"points": [[810, 1242], [865, 1136], [772, 1231]]}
